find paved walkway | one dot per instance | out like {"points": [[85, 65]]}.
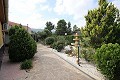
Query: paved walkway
{"points": [[85, 66], [47, 66]]}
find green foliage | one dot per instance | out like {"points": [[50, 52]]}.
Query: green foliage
{"points": [[44, 34], [49, 40], [75, 28], [49, 26], [61, 27], [88, 54], [102, 24], [61, 41], [69, 31], [27, 64], [107, 58], [48, 33], [12, 30], [60, 47], [54, 45], [21, 46], [85, 42], [69, 38]]}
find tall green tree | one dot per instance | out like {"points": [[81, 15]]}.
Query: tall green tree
{"points": [[76, 29], [61, 28], [49, 26], [69, 31], [103, 24]]}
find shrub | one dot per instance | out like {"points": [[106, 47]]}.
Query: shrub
{"points": [[21, 46], [85, 42], [48, 33], [69, 38], [61, 42], [12, 30], [27, 64], [49, 40], [67, 42], [54, 45], [60, 38], [60, 47], [108, 60], [88, 54], [68, 52]]}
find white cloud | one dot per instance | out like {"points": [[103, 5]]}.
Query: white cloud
{"points": [[59, 7], [45, 8], [31, 12], [77, 8], [25, 12]]}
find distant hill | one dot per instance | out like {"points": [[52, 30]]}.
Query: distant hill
{"points": [[36, 30]]}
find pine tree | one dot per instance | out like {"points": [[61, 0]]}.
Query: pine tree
{"points": [[103, 24], [61, 27]]}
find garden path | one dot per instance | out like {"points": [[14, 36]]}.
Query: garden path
{"points": [[46, 66]]}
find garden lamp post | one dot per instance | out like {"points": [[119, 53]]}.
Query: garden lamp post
{"points": [[76, 44]]}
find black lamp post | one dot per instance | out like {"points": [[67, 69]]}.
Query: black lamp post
{"points": [[78, 53]]}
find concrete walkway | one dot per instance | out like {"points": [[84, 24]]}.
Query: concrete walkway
{"points": [[47, 66], [86, 67]]}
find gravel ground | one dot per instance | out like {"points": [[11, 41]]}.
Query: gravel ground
{"points": [[46, 66]]}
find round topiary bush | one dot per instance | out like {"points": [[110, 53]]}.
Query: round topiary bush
{"points": [[49, 40], [108, 60], [21, 46]]}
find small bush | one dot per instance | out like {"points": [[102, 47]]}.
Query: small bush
{"points": [[108, 60], [49, 40], [67, 42], [27, 64], [54, 45], [88, 54], [85, 42], [69, 52], [61, 38], [60, 47], [69, 38]]}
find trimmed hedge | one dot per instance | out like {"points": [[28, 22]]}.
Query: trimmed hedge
{"points": [[108, 60], [22, 46]]}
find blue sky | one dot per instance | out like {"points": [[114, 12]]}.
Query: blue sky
{"points": [[36, 13]]}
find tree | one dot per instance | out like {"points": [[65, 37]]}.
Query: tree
{"points": [[49, 26], [69, 28], [102, 24], [44, 34], [75, 28], [48, 33], [61, 27]]}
